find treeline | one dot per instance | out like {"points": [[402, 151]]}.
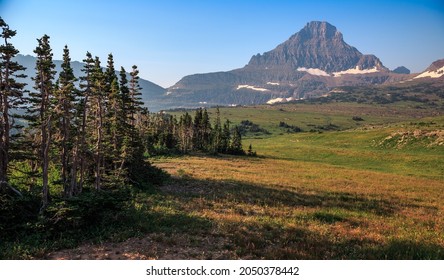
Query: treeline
{"points": [[166, 134]]}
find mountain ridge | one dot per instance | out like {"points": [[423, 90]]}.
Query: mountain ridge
{"points": [[150, 91]]}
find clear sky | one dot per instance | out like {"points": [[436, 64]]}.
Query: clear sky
{"points": [[168, 39]]}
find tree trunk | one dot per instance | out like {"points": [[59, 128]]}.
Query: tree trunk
{"points": [[83, 146], [5, 126], [99, 145], [46, 143]]}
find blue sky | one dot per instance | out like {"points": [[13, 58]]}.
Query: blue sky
{"points": [[170, 39]]}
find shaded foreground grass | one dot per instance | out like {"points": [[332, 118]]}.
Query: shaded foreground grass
{"points": [[270, 209]]}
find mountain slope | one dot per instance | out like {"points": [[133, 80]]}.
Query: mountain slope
{"points": [[435, 70], [150, 91], [309, 63]]}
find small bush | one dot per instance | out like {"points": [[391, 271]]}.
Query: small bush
{"points": [[290, 128], [247, 126]]}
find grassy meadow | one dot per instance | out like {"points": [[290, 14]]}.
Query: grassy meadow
{"points": [[360, 191]]}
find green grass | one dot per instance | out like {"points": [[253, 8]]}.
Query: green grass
{"points": [[307, 116], [355, 150]]}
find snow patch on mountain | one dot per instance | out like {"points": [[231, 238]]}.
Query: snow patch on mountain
{"points": [[431, 74], [273, 84], [313, 71], [251, 87], [279, 100], [356, 71]]}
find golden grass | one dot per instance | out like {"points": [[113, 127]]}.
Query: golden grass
{"points": [[273, 208], [330, 195]]}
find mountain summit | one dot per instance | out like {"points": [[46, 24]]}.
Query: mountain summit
{"points": [[319, 45], [310, 63]]}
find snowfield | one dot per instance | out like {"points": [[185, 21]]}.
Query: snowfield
{"points": [[279, 100], [353, 71], [313, 71], [356, 71], [251, 87], [431, 74]]}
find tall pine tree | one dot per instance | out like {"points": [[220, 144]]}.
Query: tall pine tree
{"points": [[83, 110], [11, 97], [216, 138], [65, 96], [41, 110], [135, 94], [98, 101]]}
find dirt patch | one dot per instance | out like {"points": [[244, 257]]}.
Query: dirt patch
{"points": [[152, 246]]}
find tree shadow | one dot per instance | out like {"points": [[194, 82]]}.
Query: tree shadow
{"points": [[259, 236], [259, 195]]}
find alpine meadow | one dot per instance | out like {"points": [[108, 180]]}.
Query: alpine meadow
{"points": [[312, 150]]}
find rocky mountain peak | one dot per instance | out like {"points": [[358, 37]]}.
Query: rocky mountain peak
{"points": [[320, 29], [401, 70], [319, 45]]}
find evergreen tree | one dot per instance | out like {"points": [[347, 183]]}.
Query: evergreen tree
{"points": [[41, 111], [110, 73], [125, 102], [97, 117], [125, 94], [169, 140], [250, 151], [236, 143], [65, 96], [206, 131], [84, 108], [114, 121], [134, 95], [226, 138], [11, 97], [217, 134], [185, 133], [198, 130]]}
